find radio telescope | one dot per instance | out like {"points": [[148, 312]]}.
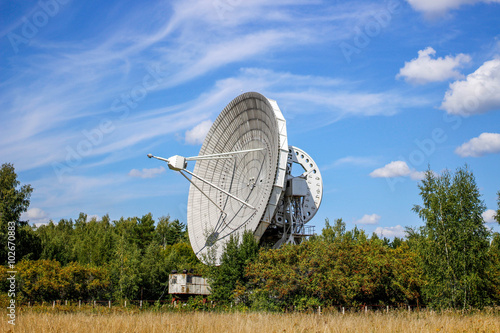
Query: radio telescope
{"points": [[242, 180]]}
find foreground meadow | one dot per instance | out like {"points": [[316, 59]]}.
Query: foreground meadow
{"points": [[211, 322]]}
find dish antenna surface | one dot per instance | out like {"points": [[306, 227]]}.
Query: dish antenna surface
{"points": [[242, 180]]}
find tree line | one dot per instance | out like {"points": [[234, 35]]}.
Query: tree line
{"points": [[452, 261]]}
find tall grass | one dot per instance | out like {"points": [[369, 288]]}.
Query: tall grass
{"points": [[213, 322]]}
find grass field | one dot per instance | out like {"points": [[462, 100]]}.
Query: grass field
{"points": [[212, 322]]}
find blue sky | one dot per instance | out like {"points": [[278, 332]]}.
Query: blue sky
{"points": [[374, 91]]}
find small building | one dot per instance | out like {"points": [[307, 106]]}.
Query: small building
{"points": [[185, 285]]}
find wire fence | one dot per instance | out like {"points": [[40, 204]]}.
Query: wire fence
{"points": [[176, 302]]}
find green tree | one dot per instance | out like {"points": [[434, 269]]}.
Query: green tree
{"points": [[170, 232], [225, 278], [15, 200], [144, 231], [125, 270], [321, 272], [453, 244], [335, 232], [93, 241], [46, 280], [57, 241], [497, 215]]}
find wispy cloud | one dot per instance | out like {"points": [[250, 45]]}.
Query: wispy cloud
{"points": [[197, 134], [51, 95], [146, 173], [352, 161], [433, 8], [92, 101]]}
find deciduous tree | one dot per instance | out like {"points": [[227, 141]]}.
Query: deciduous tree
{"points": [[454, 241], [14, 200]]}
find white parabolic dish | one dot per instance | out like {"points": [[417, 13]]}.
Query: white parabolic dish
{"points": [[249, 122], [243, 181]]}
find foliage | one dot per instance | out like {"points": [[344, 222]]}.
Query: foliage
{"points": [[225, 278], [497, 215], [453, 244], [14, 200], [449, 262], [170, 232], [44, 280], [346, 269]]}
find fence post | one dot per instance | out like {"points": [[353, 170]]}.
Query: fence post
{"points": [[53, 304], [94, 303], [125, 303], [343, 310], [141, 303], [387, 308], [109, 304], [409, 309], [319, 309], [79, 303]]}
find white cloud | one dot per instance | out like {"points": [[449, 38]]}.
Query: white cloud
{"points": [[417, 175], [35, 215], [93, 217], [389, 232], [424, 69], [67, 88], [146, 173], [489, 216], [434, 7], [350, 161], [197, 134], [478, 93], [393, 169], [397, 169], [486, 143], [189, 39], [369, 219]]}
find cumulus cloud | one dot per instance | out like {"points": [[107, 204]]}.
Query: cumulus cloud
{"points": [[369, 219], [433, 7], [417, 175], [425, 69], [489, 216], [389, 232], [393, 169], [478, 93], [35, 215], [486, 143], [397, 169], [197, 134], [146, 173]]}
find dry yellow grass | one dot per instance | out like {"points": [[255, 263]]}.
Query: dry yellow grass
{"points": [[207, 322]]}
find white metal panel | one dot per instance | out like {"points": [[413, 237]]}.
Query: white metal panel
{"points": [[247, 122], [187, 284]]}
